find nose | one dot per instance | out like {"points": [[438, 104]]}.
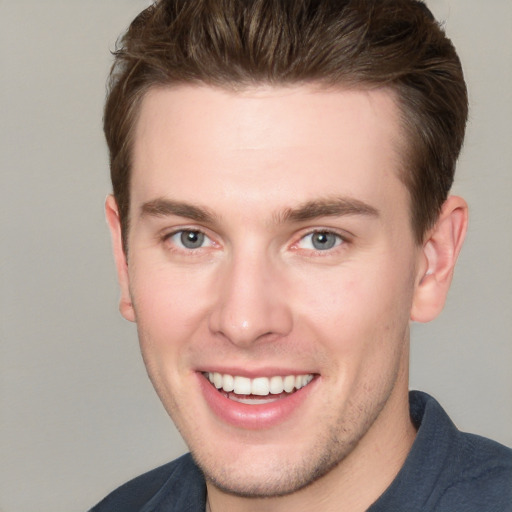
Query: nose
{"points": [[250, 302]]}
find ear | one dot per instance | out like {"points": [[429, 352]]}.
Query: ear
{"points": [[439, 255], [114, 223]]}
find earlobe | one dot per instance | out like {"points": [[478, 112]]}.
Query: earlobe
{"points": [[440, 252], [114, 223]]}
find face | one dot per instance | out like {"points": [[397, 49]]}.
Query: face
{"points": [[272, 270]]}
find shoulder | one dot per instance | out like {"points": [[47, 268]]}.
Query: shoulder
{"points": [[468, 472], [448, 470], [481, 476], [171, 482]]}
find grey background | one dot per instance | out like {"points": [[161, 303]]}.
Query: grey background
{"points": [[78, 415]]}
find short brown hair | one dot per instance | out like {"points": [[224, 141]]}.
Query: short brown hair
{"points": [[352, 43]]}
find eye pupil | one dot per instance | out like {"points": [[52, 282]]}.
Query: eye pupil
{"points": [[323, 241], [192, 239]]}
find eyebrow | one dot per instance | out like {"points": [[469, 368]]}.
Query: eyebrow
{"points": [[161, 207], [330, 207]]}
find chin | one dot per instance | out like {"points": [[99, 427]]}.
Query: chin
{"points": [[272, 475]]}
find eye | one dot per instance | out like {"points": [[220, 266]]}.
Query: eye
{"points": [[190, 239], [320, 241]]}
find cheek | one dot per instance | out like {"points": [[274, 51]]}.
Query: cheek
{"points": [[168, 306], [357, 309]]}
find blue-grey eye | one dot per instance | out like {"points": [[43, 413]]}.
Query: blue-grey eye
{"points": [[320, 241], [192, 239]]}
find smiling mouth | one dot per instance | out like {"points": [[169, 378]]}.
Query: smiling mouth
{"points": [[260, 390]]}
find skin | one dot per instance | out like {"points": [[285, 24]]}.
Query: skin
{"points": [[258, 297]]}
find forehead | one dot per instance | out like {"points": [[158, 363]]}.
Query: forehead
{"points": [[250, 115], [292, 142]]}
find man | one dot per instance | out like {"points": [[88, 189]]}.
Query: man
{"points": [[280, 214]]}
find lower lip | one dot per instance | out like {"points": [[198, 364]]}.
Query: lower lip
{"points": [[253, 417]]}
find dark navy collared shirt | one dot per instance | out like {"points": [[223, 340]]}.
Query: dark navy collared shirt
{"points": [[445, 471]]}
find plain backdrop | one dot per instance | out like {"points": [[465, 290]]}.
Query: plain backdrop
{"points": [[78, 415]]}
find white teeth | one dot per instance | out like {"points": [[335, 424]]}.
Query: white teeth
{"points": [[276, 385], [217, 380], [289, 383], [261, 386], [228, 383], [242, 386]]}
